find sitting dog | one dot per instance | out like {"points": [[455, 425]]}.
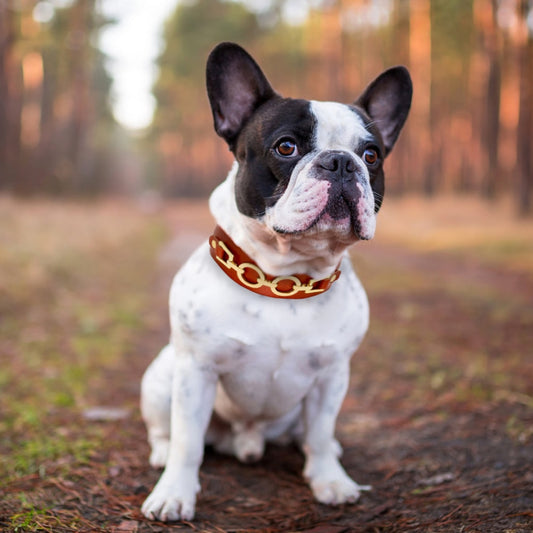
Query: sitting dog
{"points": [[266, 315]]}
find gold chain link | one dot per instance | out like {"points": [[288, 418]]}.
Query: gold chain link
{"points": [[298, 286]]}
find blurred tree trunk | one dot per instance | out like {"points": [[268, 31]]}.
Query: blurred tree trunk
{"points": [[10, 98], [421, 150], [48, 154], [525, 117], [82, 112], [491, 126], [400, 156]]}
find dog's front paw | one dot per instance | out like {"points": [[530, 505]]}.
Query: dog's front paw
{"points": [[171, 500], [336, 491], [329, 482]]}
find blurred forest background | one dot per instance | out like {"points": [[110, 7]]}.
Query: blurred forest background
{"points": [[439, 415], [471, 62]]}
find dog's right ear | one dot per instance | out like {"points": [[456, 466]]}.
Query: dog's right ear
{"points": [[236, 87]]}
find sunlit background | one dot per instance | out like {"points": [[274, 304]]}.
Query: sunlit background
{"points": [[100, 96]]}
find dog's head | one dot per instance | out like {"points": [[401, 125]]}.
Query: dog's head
{"points": [[306, 166]]}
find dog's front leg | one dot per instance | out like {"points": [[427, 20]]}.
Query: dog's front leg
{"points": [[329, 482], [193, 394]]}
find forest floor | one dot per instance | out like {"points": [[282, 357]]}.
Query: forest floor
{"points": [[438, 418]]}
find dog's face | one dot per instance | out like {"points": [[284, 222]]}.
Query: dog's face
{"points": [[306, 166]]}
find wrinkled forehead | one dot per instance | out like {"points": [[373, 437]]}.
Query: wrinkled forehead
{"points": [[338, 126]]}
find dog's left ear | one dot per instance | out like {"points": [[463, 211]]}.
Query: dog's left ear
{"points": [[387, 101], [236, 87]]}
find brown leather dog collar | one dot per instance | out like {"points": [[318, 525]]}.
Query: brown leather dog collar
{"points": [[242, 269]]}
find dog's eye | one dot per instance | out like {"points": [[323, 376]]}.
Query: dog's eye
{"points": [[286, 148], [370, 156]]}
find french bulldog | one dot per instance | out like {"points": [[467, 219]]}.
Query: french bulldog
{"points": [[266, 314]]}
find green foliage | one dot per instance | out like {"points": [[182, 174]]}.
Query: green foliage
{"points": [[31, 455], [190, 33], [195, 28], [453, 37], [27, 520]]}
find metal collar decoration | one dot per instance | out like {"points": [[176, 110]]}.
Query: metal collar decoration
{"points": [[244, 271]]}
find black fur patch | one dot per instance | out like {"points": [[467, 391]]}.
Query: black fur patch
{"points": [[263, 176]]}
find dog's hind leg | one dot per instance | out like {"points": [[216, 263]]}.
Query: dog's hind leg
{"points": [[156, 393]]}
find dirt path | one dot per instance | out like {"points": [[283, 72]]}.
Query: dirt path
{"points": [[439, 416]]}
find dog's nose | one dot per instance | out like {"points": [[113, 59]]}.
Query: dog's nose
{"points": [[338, 164]]}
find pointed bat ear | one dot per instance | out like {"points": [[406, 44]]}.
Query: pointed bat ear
{"points": [[387, 101], [236, 87]]}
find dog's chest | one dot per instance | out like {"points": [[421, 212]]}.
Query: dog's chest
{"points": [[267, 352], [270, 378]]}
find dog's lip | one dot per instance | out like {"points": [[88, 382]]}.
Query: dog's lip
{"points": [[284, 231]]}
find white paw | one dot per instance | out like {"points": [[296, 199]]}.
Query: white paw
{"points": [[329, 482], [336, 491], [171, 501], [158, 457]]}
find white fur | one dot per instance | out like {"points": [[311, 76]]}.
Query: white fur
{"points": [[338, 126], [242, 369]]}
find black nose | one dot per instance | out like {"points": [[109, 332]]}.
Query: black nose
{"points": [[338, 164]]}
